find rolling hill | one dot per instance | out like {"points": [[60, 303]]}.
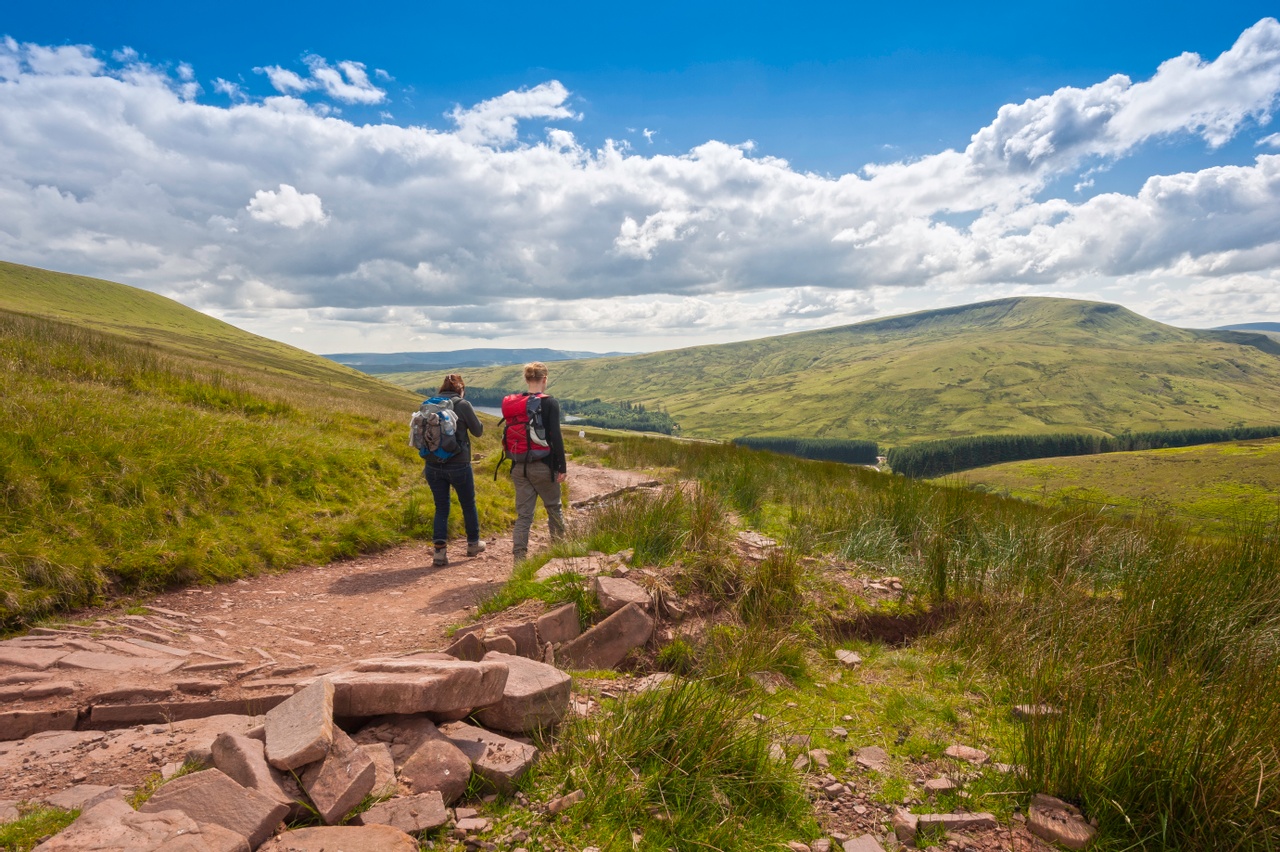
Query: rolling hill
{"points": [[146, 444], [1020, 365], [376, 363]]}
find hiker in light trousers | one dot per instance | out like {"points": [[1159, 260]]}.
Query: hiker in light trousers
{"points": [[539, 477]]}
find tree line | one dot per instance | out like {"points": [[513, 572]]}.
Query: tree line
{"points": [[593, 412], [929, 459], [848, 451]]}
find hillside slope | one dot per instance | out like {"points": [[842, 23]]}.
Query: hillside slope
{"points": [[146, 444], [1022, 365]]}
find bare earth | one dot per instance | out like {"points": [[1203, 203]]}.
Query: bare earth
{"points": [[242, 640]]}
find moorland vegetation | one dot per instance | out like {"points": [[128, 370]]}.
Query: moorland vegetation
{"points": [[146, 453]]}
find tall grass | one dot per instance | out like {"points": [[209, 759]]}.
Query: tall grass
{"points": [[680, 768], [126, 468], [1160, 646]]}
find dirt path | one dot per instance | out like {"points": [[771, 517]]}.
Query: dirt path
{"points": [[250, 638]]}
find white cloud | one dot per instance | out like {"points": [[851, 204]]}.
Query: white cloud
{"points": [[494, 121], [288, 207], [121, 172], [348, 82]]}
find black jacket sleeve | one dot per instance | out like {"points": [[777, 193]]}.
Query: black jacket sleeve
{"points": [[467, 415], [551, 420]]}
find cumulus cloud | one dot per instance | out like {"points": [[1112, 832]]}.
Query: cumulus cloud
{"points": [[494, 121], [288, 207], [473, 229], [347, 81]]}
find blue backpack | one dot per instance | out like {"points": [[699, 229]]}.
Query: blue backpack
{"points": [[433, 429]]}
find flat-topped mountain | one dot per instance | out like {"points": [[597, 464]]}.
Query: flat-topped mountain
{"points": [[1019, 365]]}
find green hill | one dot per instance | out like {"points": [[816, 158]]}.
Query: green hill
{"points": [[146, 444], [1023, 365]]}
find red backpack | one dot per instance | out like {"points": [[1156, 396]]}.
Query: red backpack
{"points": [[524, 437]]}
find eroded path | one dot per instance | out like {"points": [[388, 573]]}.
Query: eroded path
{"points": [[238, 643]]}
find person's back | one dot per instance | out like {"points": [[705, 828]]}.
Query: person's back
{"points": [[454, 472], [536, 478]]}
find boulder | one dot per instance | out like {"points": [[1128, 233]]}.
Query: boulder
{"points": [[1059, 822], [416, 685], [558, 625], [384, 770], [244, 761], [535, 697], [212, 797], [502, 643], [614, 593], [499, 761], [343, 838], [410, 814], [608, 643], [338, 783], [300, 730], [424, 758], [468, 646]]}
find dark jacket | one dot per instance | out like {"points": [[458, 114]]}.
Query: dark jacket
{"points": [[551, 420], [468, 424]]}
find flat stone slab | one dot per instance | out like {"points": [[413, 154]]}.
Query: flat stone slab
{"points": [[113, 826], [410, 814], [211, 797], [848, 659], [496, 759], [906, 824], [872, 757], [38, 659], [338, 783], [84, 797], [20, 724], [608, 643], [865, 843], [342, 838], [407, 686], [614, 593], [300, 729], [536, 696], [966, 753], [104, 662], [583, 566], [559, 625], [114, 715]]}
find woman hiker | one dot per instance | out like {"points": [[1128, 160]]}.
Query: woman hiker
{"points": [[455, 472], [540, 477]]}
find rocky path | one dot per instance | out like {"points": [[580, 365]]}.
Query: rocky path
{"points": [[230, 649]]}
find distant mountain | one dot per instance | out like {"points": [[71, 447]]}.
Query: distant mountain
{"points": [[1021, 365], [410, 362], [1253, 326]]}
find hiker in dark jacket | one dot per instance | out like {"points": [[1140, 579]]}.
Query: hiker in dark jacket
{"points": [[542, 477], [455, 472]]}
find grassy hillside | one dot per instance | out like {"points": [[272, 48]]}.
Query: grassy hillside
{"points": [[1237, 481], [1027, 365], [146, 444]]}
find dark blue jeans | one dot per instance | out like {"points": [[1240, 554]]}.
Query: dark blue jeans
{"points": [[440, 477]]}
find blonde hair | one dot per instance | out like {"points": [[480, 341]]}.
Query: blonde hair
{"points": [[534, 371]]}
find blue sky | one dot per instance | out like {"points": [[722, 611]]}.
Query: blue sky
{"points": [[829, 88]]}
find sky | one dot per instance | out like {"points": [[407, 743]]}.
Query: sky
{"points": [[427, 176]]}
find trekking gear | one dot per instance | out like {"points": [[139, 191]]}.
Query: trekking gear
{"points": [[475, 548], [440, 557], [524, 435], [433, 429]]}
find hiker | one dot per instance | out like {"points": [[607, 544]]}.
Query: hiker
{"points": [[455, 472], [535, 473]]}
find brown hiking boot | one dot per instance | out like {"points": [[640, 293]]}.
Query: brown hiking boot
{"points": [[475, 548]]}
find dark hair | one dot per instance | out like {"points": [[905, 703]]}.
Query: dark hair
{"points": [[453, 383]]}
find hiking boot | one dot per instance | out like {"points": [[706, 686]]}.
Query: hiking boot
{"points": [[475, 548], [441, 556], [519, 556]]}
